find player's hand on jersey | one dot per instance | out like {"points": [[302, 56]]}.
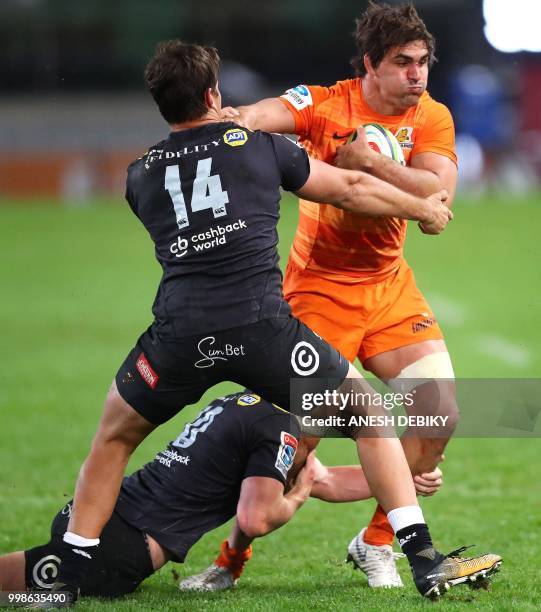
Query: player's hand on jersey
{"points": [[229, 113], [429, 483], [238, 115], [439, 214], [355, 155]]}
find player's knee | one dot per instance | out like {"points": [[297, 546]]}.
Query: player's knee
{"points": [[449, 410], [252, 524]]}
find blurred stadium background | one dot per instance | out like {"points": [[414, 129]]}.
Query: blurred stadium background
{"points": [[78, 275], [73, 110]]}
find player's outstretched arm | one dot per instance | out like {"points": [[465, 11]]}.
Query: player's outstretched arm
{"points": [[361, 193], [263, 506], [269, 115], [347, 483]]}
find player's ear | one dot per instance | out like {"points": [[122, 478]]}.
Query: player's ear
{"points": [[209, 98], [213, 98], [368, 65]]}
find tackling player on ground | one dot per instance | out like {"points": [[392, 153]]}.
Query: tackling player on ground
{"points": [[347, 277], [240, 455]]}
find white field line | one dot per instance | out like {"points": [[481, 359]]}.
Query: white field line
{"points": [[454, 314], [449, 312], [503, 350]]}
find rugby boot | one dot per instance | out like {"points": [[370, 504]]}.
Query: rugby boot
{"points": [[454, 570], [377, 562]]}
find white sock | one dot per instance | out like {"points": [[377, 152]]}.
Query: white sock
{"points": [[405, 516], [77, 540]]}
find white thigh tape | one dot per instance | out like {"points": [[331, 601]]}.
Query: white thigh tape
{"points": [[429, 367]]}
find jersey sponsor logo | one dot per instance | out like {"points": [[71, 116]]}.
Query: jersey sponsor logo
{"points": [[166, 457], [248, 400], [147, 373], [300, 97], [153, 155], [304, 359], [45, 571], [286, 453], [204, 241], [404, 137], [180, 247], [211, 355], [235, 137]]}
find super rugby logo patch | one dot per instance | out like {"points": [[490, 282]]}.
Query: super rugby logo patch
{"points": [[147, 373], [300, 97], [286, 453], [248, 399]]}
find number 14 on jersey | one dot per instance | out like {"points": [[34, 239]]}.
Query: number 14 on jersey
{"points": [[207, 192]]}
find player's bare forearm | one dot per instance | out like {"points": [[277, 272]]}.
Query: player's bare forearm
{"points": [[373, 196], [347, 483], [361, 193], [263, 507], [273, 517], [427, 172], [344, 483], [269, 115], [418, 182]]}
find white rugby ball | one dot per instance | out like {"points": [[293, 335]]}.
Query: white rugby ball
{"points": [[383, 141]]}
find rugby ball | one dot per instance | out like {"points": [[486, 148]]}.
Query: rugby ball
{"points": [[383, 141]]}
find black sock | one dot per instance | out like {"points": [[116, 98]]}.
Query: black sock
{"points": [[75, 564], [416, 543]]}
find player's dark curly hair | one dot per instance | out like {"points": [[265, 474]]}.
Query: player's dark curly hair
{"points": [[382, 27], [178, 75]]}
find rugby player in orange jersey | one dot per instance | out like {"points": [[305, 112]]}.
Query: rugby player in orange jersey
{"points": [[347, 277]]}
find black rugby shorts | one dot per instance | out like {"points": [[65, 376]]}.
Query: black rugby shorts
{"points": [[159, 377], [121, 561]]}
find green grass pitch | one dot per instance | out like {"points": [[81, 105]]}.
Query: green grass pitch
{"points": [[76, 287]]}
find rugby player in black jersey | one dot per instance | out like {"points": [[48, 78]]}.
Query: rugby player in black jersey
{"points": [[240, 455], [209, 197]]}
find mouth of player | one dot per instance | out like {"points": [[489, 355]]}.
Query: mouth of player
{"points": [[416, 89]]}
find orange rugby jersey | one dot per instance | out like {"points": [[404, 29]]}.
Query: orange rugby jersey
{"points": [[336, 243]]}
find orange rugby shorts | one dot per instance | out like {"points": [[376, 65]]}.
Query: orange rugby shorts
{"points": [[362, 319]]}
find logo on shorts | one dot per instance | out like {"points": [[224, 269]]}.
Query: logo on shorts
{"points": [[304, 359], [422, 325], [286, 453], [248, 400], [235, 137], [211, 355], [45, 571], [147, 373]]}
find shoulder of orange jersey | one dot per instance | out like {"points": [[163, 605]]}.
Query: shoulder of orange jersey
{"points": [[430, 110]]}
